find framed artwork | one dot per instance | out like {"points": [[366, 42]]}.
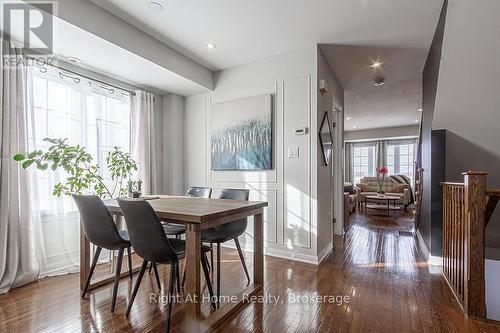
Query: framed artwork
{"points": [[325, 138], [241, 134]]}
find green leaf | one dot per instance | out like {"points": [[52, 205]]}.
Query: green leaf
{"points": [[26, 164], [19, 157]]}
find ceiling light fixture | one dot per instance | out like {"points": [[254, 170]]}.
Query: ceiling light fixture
{"points": [[420, 110], [376, 64], [378, 81], [349, 118], [416, 121], [354, 127], [211, 45], [156, 6]]}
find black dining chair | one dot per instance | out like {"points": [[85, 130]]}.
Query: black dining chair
{"points": [[152, 245], [174, 229], [100, 229], [227, 232]]}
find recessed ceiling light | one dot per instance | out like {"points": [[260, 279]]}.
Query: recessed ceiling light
{"points": [[354, 127], [420, 110], [378, 81], [74, 60], [416, 121], [376, 64], [156, 6], [349, 118], [211, 45]]}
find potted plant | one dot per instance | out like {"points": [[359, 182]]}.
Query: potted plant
{"points": [[82, 172], [381, 174]]}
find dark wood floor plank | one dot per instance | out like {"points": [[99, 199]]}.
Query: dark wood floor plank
{"points": [[391, 289]]}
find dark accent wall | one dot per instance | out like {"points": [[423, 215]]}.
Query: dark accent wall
{"points": [[429, 88], [438, 175]]}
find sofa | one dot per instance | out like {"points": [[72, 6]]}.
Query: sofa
{"points": [[369, 186]]}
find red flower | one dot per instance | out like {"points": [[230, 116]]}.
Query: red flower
{"points": [[383, 171]]}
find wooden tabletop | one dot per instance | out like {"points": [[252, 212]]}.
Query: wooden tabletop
{"points": [[193, 210]]}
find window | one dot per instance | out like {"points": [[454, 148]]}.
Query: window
{"points": [[401, 158], [99, 119], [363, 162]]}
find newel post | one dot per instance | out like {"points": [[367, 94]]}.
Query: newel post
{"points": [[475, 206]]}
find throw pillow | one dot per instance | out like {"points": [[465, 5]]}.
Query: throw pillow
{"points": [[399, 188], [365, 187]]}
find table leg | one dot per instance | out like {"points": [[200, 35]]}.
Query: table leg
{"points": [[193, 275], [84, 258], [258, 253]]}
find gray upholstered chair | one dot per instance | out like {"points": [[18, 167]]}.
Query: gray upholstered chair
{"points": [[227, 232], [151, 244], [100, 230]]}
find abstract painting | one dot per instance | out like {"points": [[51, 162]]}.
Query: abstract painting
{"points": [[241, 134]]}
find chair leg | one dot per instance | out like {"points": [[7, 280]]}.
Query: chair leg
{"points": [[117, 278], [173, 269], [155, 269], [136, 286], [150, 267], [177, 278], [184, 276], [92, 267], [204, 265], [218, 272], [212, 257], [129, 254], [242, 258]]}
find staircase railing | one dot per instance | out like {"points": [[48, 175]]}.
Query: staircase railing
{"points": [[467, 208]]}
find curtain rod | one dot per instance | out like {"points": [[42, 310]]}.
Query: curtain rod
{"points": [[132, 93]]}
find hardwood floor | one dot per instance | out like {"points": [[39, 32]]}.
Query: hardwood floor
{"points": [[390, 286]]}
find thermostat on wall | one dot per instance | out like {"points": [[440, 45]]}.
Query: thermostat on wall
{"points": [[301, 131]]}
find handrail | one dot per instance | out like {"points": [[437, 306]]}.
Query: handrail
{"points": [[493, 198], [464, 220]]}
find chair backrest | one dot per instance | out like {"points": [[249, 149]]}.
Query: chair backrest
{"points": [[146, 232], [98, 224], [199, 192], [236, 228]]}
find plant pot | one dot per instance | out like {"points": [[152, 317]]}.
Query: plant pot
{"points": [[381, 193]]}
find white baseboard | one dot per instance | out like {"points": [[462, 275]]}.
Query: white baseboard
{"points": [[284, 254], [431, 260], [325, 252]]}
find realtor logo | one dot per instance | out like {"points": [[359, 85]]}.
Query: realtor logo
{"points": [[30, 24]]}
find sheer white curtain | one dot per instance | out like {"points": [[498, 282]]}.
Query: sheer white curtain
{"points": [[142, 139], [65, 107], [18, 229]]}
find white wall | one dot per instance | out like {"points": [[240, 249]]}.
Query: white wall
{"points": [[291, 229], [169, 141], [325, 184], [382, 133]]}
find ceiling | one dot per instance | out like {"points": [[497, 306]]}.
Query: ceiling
{"points": [[398, 32]]}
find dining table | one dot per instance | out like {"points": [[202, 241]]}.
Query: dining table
{"points": [[197, 214]]}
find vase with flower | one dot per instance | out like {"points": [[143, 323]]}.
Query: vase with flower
{"points": [[381, 174]]}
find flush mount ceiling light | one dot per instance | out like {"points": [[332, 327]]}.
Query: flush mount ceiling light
{"points": [[156, 6], [349, 118], [354, 127], [211, 45], [376, 64], [416, 121], [74, 60], [420, 110], [378, 81]]}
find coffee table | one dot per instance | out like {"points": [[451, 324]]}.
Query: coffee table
{"points": [[385, 200]]}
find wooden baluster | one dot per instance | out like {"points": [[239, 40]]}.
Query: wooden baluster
{"points": [[475, 206]]}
